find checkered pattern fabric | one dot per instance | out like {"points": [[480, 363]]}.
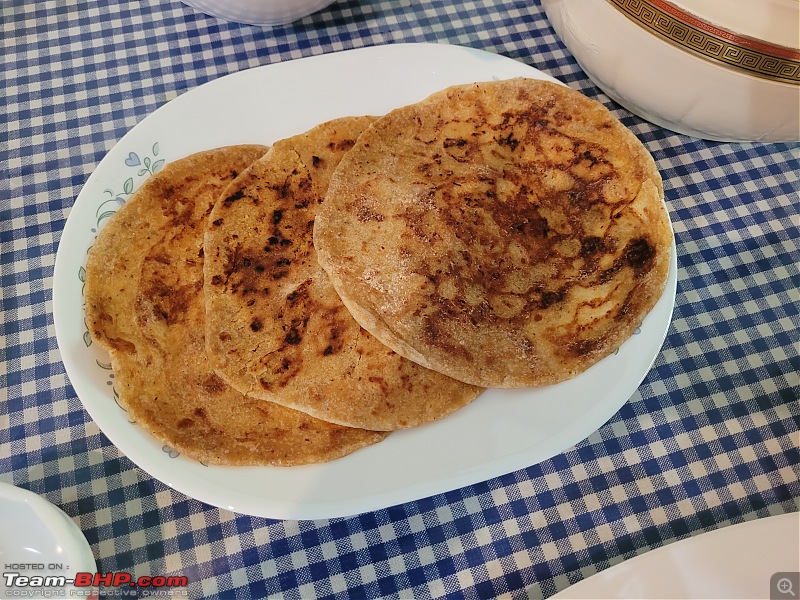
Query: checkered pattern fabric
{"points": [[710, 438]]}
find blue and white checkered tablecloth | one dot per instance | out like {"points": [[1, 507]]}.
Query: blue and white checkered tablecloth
{"points": [[709, 439]]}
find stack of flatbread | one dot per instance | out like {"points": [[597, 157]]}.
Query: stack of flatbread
{"points": [[292, 304]]}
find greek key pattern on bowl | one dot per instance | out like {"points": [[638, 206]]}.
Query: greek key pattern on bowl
{"points": [[756, 57]]}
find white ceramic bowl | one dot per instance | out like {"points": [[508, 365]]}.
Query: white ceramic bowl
{"points": [[38, 538], [724, 70], [259, 12]]}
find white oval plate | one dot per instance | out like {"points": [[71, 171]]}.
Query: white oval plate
{"points": [[500, 432], [39, 539]]}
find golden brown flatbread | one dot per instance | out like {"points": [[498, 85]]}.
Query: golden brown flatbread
{"points": [[144, 304], [507, 234], [276, 329]]}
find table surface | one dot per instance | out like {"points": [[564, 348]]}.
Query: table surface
{"points": [[709, 439]]}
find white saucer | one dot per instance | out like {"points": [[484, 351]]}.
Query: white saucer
{"points": [[39, 539]]}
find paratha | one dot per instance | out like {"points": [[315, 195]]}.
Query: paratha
{"points": [[144, 304], [506, 234], [275, 327]]}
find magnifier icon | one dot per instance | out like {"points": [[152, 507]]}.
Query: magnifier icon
{"points": [[784, 586]]}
